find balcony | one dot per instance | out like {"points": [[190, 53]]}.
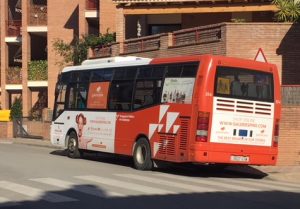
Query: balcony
{"points": [[14, 75], [143, 44], [13, 28], [159, 45], [38, 15], [92, 4], [198, 35], [102, 52]]}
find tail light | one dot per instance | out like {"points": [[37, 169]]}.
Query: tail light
{"points": [[202, 127], [276, 134]]}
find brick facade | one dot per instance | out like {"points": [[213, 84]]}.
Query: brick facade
{"points": [[6, 130], [107, 16], [62, 24], [289, 141], [38, 128], [279, 41]]}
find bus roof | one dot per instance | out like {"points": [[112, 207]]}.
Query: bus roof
{"points": [[109, 62], [124, 61]]}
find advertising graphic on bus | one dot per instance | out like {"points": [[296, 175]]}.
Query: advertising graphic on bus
{"points": [[199, 109]]}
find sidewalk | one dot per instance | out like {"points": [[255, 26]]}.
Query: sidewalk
{"points": [[28, 141], [281, 173]]}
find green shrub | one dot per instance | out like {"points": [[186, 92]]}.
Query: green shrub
{"points": [[76, 52], [16, 109], [38, 70], [94, 41], [289, 10]]}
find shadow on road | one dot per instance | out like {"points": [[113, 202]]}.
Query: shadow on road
{"points": [[214, 200], [183, 169]]}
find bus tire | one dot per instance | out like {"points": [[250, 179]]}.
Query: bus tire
{"points": [[142, 155], [72, 148]]}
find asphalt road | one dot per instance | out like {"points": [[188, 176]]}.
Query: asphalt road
{"points": [[38, 177]]}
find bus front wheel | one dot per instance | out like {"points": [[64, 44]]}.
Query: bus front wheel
{"points": [[72, 149], [142, 155]]}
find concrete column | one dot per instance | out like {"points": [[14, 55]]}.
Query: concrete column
{"points": [[4, 52], [26, 52], [120, 28], [62, 22], [107, 12], [83, 26]]}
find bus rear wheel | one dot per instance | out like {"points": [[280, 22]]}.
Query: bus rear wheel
{"points": [[142, 155], [72, 148]]}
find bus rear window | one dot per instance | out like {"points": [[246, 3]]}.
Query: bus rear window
{"points": [[243, 83]]}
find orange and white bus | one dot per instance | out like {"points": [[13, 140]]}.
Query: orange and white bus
{"points": [[199, 109]]}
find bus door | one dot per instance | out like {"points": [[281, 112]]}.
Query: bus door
{"points": [[57, 126]]}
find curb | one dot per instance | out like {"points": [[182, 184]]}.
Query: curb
{"points": [[35, 142]]}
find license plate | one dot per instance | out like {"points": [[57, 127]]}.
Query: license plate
{"points": [[239, 158]]}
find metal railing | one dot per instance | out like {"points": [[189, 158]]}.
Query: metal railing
{"points": [[143, 44], [14, 75], [198, 35], [13, 28], [38, 15], [92, 4], [290, 94]]}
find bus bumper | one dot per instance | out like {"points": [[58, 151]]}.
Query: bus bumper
{"points": [[226, 154]]}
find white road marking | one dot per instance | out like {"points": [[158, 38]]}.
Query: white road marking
{"points": [[267, 185], [34, 192], [76, 187], [210, 182], [124, 185], [157, 180], [279, 183]]}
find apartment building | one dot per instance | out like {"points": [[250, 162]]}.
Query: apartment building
{"points": [[28, 29], [149, 17]]}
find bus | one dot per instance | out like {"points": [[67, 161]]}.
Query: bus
{"points": [[192, 109]]}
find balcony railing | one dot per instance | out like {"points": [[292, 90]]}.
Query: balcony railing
{"points": [[14, 28], [144, 44], [198, 35], [92, 4], [102, 51], [38, 15], [14, 75]]}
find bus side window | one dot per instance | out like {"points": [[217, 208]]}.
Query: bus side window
{"points": [[60, 100], [120, 95], [145, 93], [77, 96]]}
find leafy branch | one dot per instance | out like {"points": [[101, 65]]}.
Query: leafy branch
{"points": [[76, 52], [289, 10]]}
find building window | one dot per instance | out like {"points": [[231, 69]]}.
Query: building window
{"points": [[163, 28]]}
